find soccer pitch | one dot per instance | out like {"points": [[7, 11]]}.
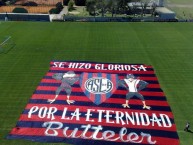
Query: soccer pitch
{"points": [[168, 47]]}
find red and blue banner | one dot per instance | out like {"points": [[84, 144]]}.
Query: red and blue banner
{"points": [[86, 103]]}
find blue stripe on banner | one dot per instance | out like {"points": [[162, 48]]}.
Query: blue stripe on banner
{"points": [[80, 80], [73, 141], [110, 78], [105, 105], [87, 93], [158, 133], [98, 96], [97, 99], [153, 89], [117, 80]]}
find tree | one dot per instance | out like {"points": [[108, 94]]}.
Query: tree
{"points": [[96, 6], [57, 9], [134, 10], [2, 3], [54, 11], [91, 7], [144, 4], [30, 3], [154, 5], [102, 6], [9, 1], [112, 7], [65, 2], [70, 5], [122, 6], [80, 2], [59, 6]]}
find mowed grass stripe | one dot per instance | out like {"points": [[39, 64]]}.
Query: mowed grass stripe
{"points": [[168, 47]]}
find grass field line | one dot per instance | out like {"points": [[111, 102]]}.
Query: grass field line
{"points": [[5, 40]]}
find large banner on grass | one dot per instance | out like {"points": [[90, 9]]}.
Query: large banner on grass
{"points": [[86, 103]]}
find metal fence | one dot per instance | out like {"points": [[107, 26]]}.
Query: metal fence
{"points": [[46, 18], [24, 17], [116, 19]]}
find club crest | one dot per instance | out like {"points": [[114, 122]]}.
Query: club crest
{"points": [[98, 87]]}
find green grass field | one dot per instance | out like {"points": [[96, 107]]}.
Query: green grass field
{"points": [[168, 47]]}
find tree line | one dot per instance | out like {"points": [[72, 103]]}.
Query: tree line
{"points": [[101, 7], [96, 7]]}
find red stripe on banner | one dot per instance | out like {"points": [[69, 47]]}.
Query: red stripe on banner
{"points": [[95, 121], [153, 86], [41, 132], [155, 94], [167, 141], [103, 98], [85, 108], [84, 78], [50, 81], [60, 97], [115, 83], [133, 101], [148, 78]]}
